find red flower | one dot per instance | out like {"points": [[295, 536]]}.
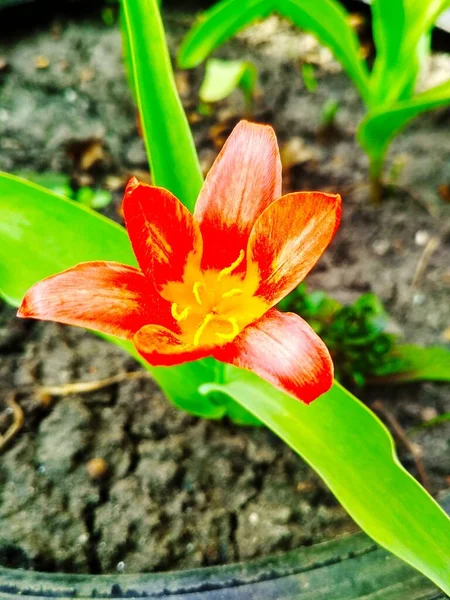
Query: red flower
{"points": [[208, 282]]}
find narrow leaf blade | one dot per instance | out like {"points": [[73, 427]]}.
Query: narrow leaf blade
{"points": [[168, 139], [354, 453], [218, 24], [329, 22], [381, 125]]}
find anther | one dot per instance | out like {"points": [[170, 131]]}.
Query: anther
{"points": [[195, 289], [179, 316], [232, 292], [232, 267], [233, 334], [201, 328]]}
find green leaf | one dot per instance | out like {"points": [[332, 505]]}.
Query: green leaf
{"points": [[379, 127], [218, 24], [42, 233], [401, 32], [222, 77], [327, 20], [413, 363], [168, 139], [353, 452]]}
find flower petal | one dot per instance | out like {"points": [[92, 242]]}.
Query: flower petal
{"points": [[162, 347], [244, 179], [283, 349], [288, 239], [162, 231], [104, 296]]}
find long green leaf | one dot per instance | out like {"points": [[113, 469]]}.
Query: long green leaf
{"points": [[354, 453], [42, 233], [379, 127], [414, 363], [329, 22], [168, 139], [401, 32], [218, 24]]}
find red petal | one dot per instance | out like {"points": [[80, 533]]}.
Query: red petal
{"points": [[162, 231], [103, 296], [162, 347], [283, 349], [244, 179], [289, 238]]}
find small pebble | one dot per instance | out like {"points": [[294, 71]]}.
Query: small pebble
{"points": [[120, 566], [429, 413], [253, 518], [97, 468], [422, 237], [381, 247], [418, 299]]}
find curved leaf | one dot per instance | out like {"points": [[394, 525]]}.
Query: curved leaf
{"points": [[401, 32], [218, 24], [379, 127], [329, 22], [354, 453], [168, 139]]}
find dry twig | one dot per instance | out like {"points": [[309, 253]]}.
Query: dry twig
{"points": [[17, 423], [83, 387], [430, 248]]}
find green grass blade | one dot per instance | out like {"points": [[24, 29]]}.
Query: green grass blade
{"points": [[327, 20], [379, 127], [354, 453], [414, 363], [218, 24], [168, 139]]}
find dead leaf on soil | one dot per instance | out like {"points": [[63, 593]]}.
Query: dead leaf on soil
{"points": [[41, 62]]}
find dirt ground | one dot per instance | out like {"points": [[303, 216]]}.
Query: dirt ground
{"points": [[180, 492]]}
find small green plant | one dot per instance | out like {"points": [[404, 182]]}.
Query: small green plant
{"points": [[357, 338], [222, 77], [401, 32]]}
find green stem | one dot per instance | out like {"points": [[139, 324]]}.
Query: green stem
{"points": [[168, 138], [376, 179]]}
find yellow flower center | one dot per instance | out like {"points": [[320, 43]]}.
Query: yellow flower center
{"points": [[212, 307]]}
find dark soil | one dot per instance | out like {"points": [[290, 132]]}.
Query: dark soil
{"points": [[180, 492]]}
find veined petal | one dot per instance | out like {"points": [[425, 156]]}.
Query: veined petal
{"points": [[288, 239], [104, 296], [244, 179], [283, 349], [162, 347], [163, 233]]}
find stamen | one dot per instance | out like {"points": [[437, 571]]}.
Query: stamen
{"points": [[233, 334], [232, 267], [179, 316], [232, 292], [201, 328], [195, 289]]}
